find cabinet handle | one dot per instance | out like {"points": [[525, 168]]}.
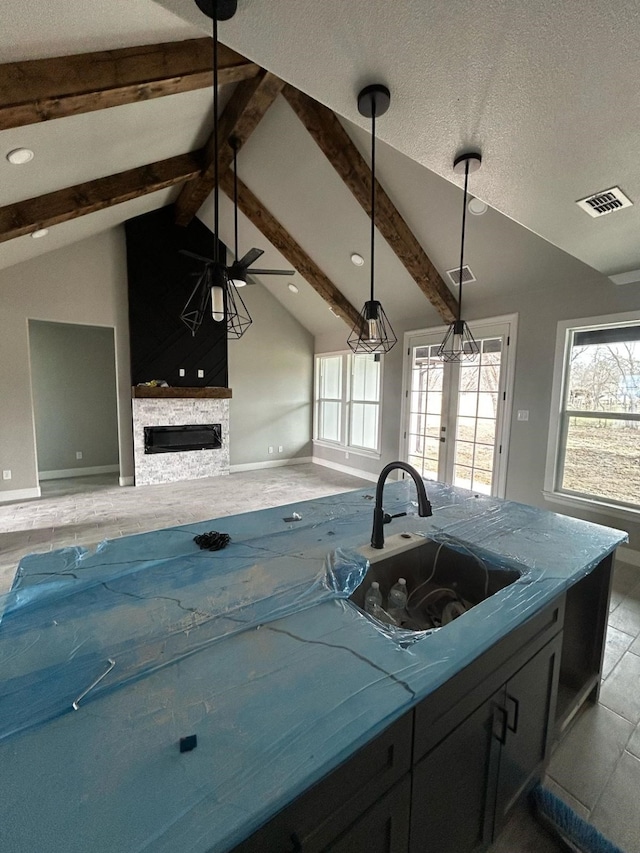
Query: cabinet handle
{"points": [[500, 724], [295, 841], [516, 711]]}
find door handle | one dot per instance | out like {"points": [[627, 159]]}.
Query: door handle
{"points": [[515, 707], [500, 718]]}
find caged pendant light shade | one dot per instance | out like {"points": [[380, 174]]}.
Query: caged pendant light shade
{"points": [[372, 332], [213, 282], [459, 344]]}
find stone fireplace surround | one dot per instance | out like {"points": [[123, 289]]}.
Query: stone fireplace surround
{"points": [[156, 406]]}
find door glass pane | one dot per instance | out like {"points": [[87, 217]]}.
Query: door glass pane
{"points": [[477, 417], [425, 413]]}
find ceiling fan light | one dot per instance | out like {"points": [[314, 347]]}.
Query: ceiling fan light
{"points": [[217, 303]]}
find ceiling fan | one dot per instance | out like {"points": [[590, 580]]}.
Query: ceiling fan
{"points": [[238, 270]]}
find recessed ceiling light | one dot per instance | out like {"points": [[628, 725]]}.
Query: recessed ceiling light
{"points": [[357, 259], [293, 288], [477, 207], [40, 232], [19, 156]]}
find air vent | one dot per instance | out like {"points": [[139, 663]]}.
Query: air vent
{"points": [[604, 202], [467, 275]]}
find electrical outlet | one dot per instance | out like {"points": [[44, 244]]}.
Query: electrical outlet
{"points": [[78, 454], [181, 371], [523, 414], [280, 448], [6, 475], [200, 374], [346, 455], [270, 448]]}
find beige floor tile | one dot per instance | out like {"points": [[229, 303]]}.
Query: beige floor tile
{"points": [[617, 815], [588, 754]]}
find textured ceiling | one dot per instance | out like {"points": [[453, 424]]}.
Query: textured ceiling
{"points": [[547, 91], [553, 126]]}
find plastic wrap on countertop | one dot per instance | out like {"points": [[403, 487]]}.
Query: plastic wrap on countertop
{"points": [[123, 620], [286, 701]]}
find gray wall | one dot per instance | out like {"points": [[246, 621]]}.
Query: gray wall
{"points": [[83, 283], [73, 377], [574, 292], [271, 375]]}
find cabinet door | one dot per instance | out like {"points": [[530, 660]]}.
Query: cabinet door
{"points": [[530, 704], [454, 785], [384, 828], [317, 818]]}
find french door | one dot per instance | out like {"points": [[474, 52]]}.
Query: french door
{"points": [[456, 415]]}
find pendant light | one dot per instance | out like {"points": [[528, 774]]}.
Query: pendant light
{"points": [[214, 283], [372, 333], [459, 344]]}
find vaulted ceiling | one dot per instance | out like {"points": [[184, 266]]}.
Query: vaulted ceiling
{"points": [[529, 85]]}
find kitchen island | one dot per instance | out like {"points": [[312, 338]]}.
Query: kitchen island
{"points": [[255, 650]]}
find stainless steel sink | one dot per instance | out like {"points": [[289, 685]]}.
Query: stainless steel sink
{"points": [[442, 583]]}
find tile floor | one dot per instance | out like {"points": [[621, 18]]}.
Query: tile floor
{"points": [[596, 768]]}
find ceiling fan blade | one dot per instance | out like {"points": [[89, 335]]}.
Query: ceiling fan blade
{"points": [[272, 272], [197, 257], [251, 256]]}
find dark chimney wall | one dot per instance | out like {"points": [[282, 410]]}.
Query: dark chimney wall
{"points": [[160, 282]]}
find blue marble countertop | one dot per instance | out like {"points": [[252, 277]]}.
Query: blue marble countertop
{"points": [[253, 648]]}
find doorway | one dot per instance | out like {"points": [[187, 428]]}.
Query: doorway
{"points": [[456, 415], [74, 393]]}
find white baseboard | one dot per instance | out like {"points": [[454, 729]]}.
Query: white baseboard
{"points": [[345, 469], [628, 555], [278, 463], [19, 495], [78, 472], [125, 481]]}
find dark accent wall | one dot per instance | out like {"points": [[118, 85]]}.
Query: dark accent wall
{"points": [[160, 282]]}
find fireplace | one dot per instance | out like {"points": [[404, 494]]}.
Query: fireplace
{"points": [[169, 424], [172, 439]]}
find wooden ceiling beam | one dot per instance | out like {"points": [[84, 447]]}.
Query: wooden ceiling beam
{"points": [[242, 114], [43, 89], [343, 155], [23, 217], [280, 238]]}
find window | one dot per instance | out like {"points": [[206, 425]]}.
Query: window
{"points": [[594, 446], [348, 401]]}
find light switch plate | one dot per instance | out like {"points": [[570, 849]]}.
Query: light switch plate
{"points": [[523, 414]]}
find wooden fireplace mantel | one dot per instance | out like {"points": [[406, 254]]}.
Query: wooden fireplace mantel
{"points": [[161, 393]]}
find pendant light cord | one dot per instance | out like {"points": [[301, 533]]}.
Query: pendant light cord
{"points": [[373, 188], [464, 222], [215, 133]]}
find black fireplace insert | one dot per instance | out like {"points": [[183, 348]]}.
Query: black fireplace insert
{"points": [[169, 439]]}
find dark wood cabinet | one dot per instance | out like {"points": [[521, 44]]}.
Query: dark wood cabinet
{"points": [[464, 788], [454, 786], [527, 720], [444, 777], [384, 828]]}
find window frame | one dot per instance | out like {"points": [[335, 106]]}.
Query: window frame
{"points": [[345, 423], [560, 414]]}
